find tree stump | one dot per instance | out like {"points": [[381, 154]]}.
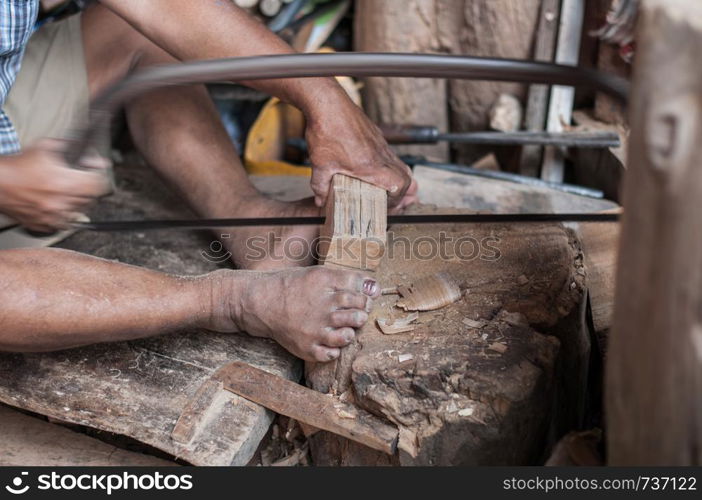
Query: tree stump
{"points": [[474, 382]]}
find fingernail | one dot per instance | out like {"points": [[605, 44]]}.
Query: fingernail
{"points": [[349, 337], [361, 317], [370, 287], [331, 355]]}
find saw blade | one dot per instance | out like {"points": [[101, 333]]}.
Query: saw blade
{"points": [[203, 224]]}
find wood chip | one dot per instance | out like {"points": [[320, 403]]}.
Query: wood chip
{"points": [[404, 357], [465, 412], [429, 293], [513, 318], [345, 414], [498, 347], [473, 323], [391, 326], [522, 280], [408, 442]]}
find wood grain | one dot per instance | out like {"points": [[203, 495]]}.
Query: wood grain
{"points": [[354, 235], [654, 372], [308, 406]]}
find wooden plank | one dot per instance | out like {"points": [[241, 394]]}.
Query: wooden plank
{"points": [[452, 189], [354, 235], [537, 101], [30, 442], [561, 103], [654, 371], [308, 406], [600, 168], [600, 243]]}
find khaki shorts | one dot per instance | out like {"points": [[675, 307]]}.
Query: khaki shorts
{"points": [[49, 99]]}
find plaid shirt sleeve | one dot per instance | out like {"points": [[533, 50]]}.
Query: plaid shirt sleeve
{"points": [[17, 17]]}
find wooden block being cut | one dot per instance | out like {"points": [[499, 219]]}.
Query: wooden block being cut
{"points": [[354, 235]]}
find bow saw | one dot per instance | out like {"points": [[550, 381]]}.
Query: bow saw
{"points": [[347, 64]]}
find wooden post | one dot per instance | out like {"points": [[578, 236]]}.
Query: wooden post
{"points": [[537, 101], [560, 109], [654, 372]]}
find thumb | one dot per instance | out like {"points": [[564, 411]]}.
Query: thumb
{"points": [[321, 184]]}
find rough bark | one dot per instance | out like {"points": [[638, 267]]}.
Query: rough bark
{"points": [[458, 400]]}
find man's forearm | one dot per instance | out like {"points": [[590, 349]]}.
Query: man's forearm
{"points": [[54, 299], [213, 29]]}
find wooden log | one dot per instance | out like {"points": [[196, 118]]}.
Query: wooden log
{"points": [[497, 28], [442, 382], [439, 394], [308, 406], [403, 26], [600, 244], [487, 28], [654, 372]]}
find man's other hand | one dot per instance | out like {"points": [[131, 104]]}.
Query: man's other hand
{"points": [[342, 140], [42, 193]]}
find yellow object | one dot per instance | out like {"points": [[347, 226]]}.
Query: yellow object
{"points": [[265, 146], [278, 122]]}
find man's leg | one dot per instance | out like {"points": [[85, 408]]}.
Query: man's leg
{"points": [[55, 299], [179, 133]]}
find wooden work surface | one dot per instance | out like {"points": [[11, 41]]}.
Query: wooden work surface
{"points": [[486, 379], [462, 401], [31, 442], [139, 388]]}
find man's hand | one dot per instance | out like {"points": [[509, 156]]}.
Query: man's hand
{"points": [[41, 192], [342, 140]]}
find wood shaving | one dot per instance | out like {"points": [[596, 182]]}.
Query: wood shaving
{"points": [[429, 293], [465, 412], [391, 326], [472, 323], [498, 347]]}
